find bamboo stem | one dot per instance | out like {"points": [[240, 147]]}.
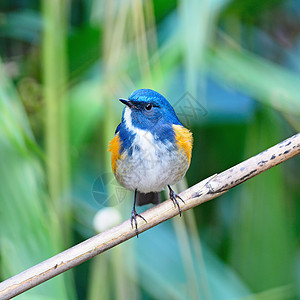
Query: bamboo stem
{"points": [[56, 128]]}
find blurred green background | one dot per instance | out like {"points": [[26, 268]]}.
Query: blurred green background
{"points": [[231, 69]]}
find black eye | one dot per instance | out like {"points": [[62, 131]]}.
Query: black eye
{"points": [[148, 106]]}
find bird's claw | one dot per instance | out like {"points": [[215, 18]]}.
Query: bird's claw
{"points": [[173, 197], [134, 214]]}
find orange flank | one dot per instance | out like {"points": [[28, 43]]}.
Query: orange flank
{"points": [[114, 148], [184, 140]]}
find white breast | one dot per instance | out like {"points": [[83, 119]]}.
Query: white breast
{"points": [[152, 165]]}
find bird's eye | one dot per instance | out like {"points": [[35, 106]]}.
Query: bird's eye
{"points": [[148, 106]]}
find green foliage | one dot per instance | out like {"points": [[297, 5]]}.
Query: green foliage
{"points": [[65, 64], [29, 231]]}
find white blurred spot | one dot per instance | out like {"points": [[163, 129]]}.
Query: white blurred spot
{"points": [[106, 218]]}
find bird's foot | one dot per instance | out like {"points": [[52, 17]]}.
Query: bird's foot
{"points": [[173, 197], [134, 214]]}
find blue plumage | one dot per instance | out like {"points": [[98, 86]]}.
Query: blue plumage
{"points": [[159, 120]]}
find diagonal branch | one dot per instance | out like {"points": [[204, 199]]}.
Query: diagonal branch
{"points": [[203, 191]]}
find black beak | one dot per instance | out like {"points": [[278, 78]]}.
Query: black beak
{"points": [[127, 102]]}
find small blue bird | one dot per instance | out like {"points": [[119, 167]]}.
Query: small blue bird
{"points": [[150, 150]]}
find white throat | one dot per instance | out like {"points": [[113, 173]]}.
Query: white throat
{"points": [[144, 139], [131, 127], [128, 119]]}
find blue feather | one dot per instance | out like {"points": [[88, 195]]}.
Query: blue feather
{"points": [[158, 120]]}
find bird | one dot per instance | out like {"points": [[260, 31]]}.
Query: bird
{"points": [[150, 150]]}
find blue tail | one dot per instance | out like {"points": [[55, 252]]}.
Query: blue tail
{"points": [[143, 199]]}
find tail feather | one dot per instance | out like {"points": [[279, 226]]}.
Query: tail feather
{"points": [[143, 199]]}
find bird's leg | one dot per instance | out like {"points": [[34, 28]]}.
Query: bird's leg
{"points": [[134, 214], [173, 196]]}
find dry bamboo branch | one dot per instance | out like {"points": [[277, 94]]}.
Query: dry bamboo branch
{"points": [[206, 190]]}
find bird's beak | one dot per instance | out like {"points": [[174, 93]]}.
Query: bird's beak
{"points": [[127, 102]]}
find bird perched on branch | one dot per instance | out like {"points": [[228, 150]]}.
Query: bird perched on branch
{"points": [[151, 149]]}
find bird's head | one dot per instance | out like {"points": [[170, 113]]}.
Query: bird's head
{"points": [[146, 108]]}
